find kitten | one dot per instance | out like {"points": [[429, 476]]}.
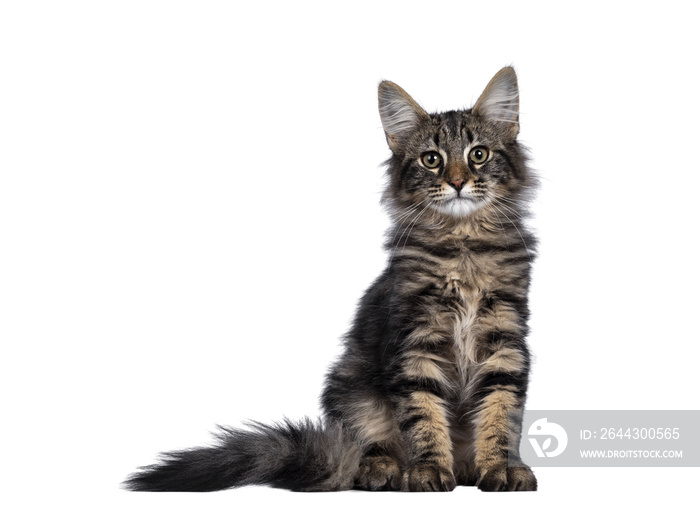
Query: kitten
{"points": [[431, 387]]}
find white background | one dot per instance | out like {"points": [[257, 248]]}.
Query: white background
{"points": [[189, 212]]}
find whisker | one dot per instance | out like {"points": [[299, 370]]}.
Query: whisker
{"points": [[410, 208], [413, 224], [521, 236], [505, 236], [507, 199], [406, 229], [498, 202], [407, 217], [508, 208], [403, 217]]}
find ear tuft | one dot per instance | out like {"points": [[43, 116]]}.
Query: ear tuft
{"points": [[400, 114], [500, 101]]}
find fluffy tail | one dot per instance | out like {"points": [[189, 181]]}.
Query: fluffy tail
{"points": [[298, 456]]}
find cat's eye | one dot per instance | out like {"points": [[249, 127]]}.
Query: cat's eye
{"points": [[431, 160], [479, 155]]}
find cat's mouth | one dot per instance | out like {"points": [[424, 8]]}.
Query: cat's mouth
{"points": [[462, 197], [459, 204]]}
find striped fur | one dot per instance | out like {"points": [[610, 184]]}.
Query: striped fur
{"points": [[433, 379]]}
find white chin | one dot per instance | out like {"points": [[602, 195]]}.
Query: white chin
{"points": [[459, 207]]}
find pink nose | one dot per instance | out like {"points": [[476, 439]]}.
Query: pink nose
{"points": [[457, 184]]}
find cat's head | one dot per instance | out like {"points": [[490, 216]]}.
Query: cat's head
{"points": [[455, 163]]}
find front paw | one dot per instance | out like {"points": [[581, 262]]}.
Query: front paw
{"points": [[500, 477], [428, 477]]}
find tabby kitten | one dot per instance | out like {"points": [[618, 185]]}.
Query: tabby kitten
{"points": [[431, 387]]}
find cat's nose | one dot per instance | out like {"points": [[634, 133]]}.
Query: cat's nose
{"points": [[457, 183]]}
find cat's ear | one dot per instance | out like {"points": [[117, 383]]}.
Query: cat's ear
{"points": [[500, 102], [400, 114]]}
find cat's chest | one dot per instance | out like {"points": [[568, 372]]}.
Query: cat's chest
{"points": [[465, 284], [466, 277]]}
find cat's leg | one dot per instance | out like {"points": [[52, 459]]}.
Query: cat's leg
{"points": [[423, 421], [498, 390], [497, 463], [420, 392], [372, 419], [369, 417]]}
